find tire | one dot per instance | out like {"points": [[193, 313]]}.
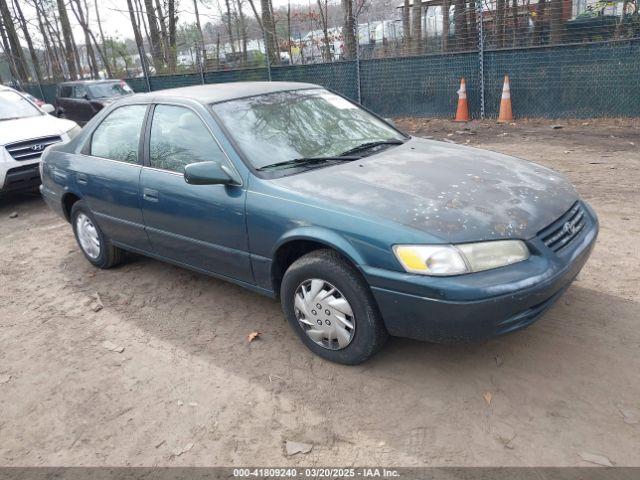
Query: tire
{"points": [[368, 334], [107, 255]]}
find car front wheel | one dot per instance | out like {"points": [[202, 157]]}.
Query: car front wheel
{"points": [[330, 307], [94, 245]]}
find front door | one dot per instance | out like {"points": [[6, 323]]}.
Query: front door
{"points": [[108, 176], [202, 226]]}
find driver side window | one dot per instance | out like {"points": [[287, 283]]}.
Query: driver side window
{"points": [[178, 138]]}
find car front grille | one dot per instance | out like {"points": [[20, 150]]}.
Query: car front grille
{"points": [[30, 149], [560, 233]]}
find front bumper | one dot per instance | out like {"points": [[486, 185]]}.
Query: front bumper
{"points": [[478, 306], [22, 177]]}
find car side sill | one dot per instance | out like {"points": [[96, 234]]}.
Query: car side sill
{"points": [[255, 288]]}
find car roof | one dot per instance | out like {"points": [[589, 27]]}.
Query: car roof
{"points": [[89, 82], [220, 92]]}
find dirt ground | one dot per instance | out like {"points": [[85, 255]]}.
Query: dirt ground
{"points": [[189, 390]]}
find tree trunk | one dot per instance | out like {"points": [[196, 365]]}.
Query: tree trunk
{"points": [[445, 25], [349, 30], [406, 27], [229, 28], [172, 51], [163, 30], [461, 24], [83, 21], [138, 37], [538, 29], [204, 50], [101, 48], [67, 35], [500, 21], [326, 51], [556, 24], [27, 37], [473, 25], [12, 45], [55, 68], [241, 31], [416, 27], [289, 32], [154, 35], [516, 21], [269, 32]]}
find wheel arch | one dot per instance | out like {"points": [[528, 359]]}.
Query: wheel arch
{"points": [[68, 200], [302, 241]]}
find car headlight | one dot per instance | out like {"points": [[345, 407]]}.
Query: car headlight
{"points": [[74, 131], [461, 258]]}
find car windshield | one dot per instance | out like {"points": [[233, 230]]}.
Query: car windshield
{"points": [[13, 105], [284, 126], [109, 89]]}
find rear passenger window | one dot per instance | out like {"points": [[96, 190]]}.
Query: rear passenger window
{"points": [[178, 138], [65, 91], [118, 136]]}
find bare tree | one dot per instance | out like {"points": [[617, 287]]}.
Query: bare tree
{"points": [[349, 30], [172, 52], [326, 51], [138, 36], [154, 35], [79, 13], [55, 69], [27, 36], [269, 32], [11, 43], [67, 34], [204, 50]]}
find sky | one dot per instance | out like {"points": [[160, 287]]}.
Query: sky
{"points": [[116, 22]]}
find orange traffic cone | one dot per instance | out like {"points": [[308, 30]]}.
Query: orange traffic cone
{"points": [[462, 113], [506, 114]]}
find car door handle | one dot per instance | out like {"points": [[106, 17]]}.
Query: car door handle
{"points": [[82, 178], [150, 195]]}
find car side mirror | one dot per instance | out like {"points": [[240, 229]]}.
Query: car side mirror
{"points": [[207, 173], [48, 108]]}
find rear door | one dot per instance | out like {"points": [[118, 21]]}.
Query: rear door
{"points": [[63, 99], [82, 111], [198, 225], [108, 175]]}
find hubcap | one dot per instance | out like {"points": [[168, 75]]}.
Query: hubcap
{"points": [[88, 236], [324, 314]]}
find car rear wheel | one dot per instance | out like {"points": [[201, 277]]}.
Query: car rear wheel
{"points": [[94, 245], [330, 307]]}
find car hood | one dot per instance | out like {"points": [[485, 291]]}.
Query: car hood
{"points": [[12, 131], [456, 193]]}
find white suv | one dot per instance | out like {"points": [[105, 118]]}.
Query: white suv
{"points": [[25, 131]]}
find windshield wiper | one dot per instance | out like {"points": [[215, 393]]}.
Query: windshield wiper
{"points": [[308, 161], [368, 145]]}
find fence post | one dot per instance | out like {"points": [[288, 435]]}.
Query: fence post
{"points": [[480, 54]]}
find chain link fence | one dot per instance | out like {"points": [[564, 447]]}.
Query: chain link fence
{"points": [[565, 58]]}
